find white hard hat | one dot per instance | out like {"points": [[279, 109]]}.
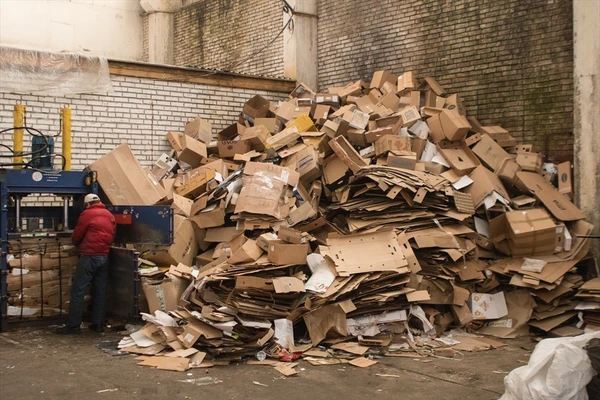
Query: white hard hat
{"points": [[89, 198]]}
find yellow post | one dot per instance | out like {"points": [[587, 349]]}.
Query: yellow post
{"points": [[19, 122], [66, 136]]}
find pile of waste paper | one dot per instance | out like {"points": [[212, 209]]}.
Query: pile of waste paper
{"points": [[367, 220]]}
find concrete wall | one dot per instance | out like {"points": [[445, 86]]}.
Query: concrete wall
{"points": [[587, 111], [140, 112], [112, 28], [222, 33], [511, 60]]}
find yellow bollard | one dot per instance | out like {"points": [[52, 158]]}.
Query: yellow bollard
{"points": [[19, 122], [66, 136]]}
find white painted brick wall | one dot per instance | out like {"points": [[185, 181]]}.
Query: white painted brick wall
{"points": [[140, 112]]}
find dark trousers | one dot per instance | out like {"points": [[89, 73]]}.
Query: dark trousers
{"points": [[92, 269]]}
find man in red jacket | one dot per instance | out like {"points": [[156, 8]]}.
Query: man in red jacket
{"points": [[94, 234]]}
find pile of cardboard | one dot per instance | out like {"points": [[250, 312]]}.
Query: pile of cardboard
{"points": [[360, 216], [39, 276]]}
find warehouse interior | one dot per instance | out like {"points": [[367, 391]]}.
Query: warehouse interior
{"points": [[349, 196]]}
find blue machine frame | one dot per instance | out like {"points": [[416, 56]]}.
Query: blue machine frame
{"points": [[21, 183], [151, 225]]}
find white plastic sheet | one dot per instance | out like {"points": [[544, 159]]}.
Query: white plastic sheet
{"points": [[559, 369], [54, 74]]}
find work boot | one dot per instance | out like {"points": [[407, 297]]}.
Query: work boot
{"points": [[96, 328], [66, 330]]}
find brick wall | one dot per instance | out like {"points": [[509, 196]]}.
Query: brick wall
{"points": [[222, 33], [140, 112], [511, 60]]}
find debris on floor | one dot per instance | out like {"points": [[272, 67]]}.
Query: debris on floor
{"points": [[344, 226]]}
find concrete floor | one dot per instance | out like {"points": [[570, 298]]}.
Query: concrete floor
{"points": [[36, 364]]}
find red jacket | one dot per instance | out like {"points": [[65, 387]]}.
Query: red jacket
{"points": [[95, 231]]}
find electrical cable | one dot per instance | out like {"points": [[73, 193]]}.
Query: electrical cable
{"points": [[290, 23]]}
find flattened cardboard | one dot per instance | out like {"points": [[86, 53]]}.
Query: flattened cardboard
{"points": [[369, 252], [288, 284], [124, 181], [555, 202], [565, 183], [325, 320], [488, 306]]}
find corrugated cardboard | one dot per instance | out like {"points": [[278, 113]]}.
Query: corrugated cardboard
{"points": [[256, 107], [286, 137], [458, 155], [199, 129], [257, 136], [306, 163], [532, 232], [347, 154], [454, 125], [270, 123], [282, 253], [174, 140], [124, 181], [555, 202], [380, 77], [488, 306], [228, 143], [485, 182], [184, 248], [192, 151], [291, 235], [195, 329], [410, 115], [264, 240], [392, 143], [406, 81], [406, 160], [565, 184], [197, 185], [530, 161]]}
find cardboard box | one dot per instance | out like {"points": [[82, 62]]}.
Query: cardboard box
{"points": [[409, 116], [257, 136], [174, 140], [462, 314], [282, 253], [165, 296], [124, 181], [495, 157], [286, 137], [270, 123], [488, 306], [256, 107], [344, 150], [197, 185], [228, 143], [392, 143], [406, 82], [485, 183], [406, 161], [532, 232], [454, 125], [199, 129], [264, 240], [213, 216], [184, 248], [306, 163], [530, 161], [380, 77], [335, 172], [192, 151], [459, 156], [291, 235]]}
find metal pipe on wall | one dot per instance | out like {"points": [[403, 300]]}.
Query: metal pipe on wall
{"points": [[19, 122]]}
